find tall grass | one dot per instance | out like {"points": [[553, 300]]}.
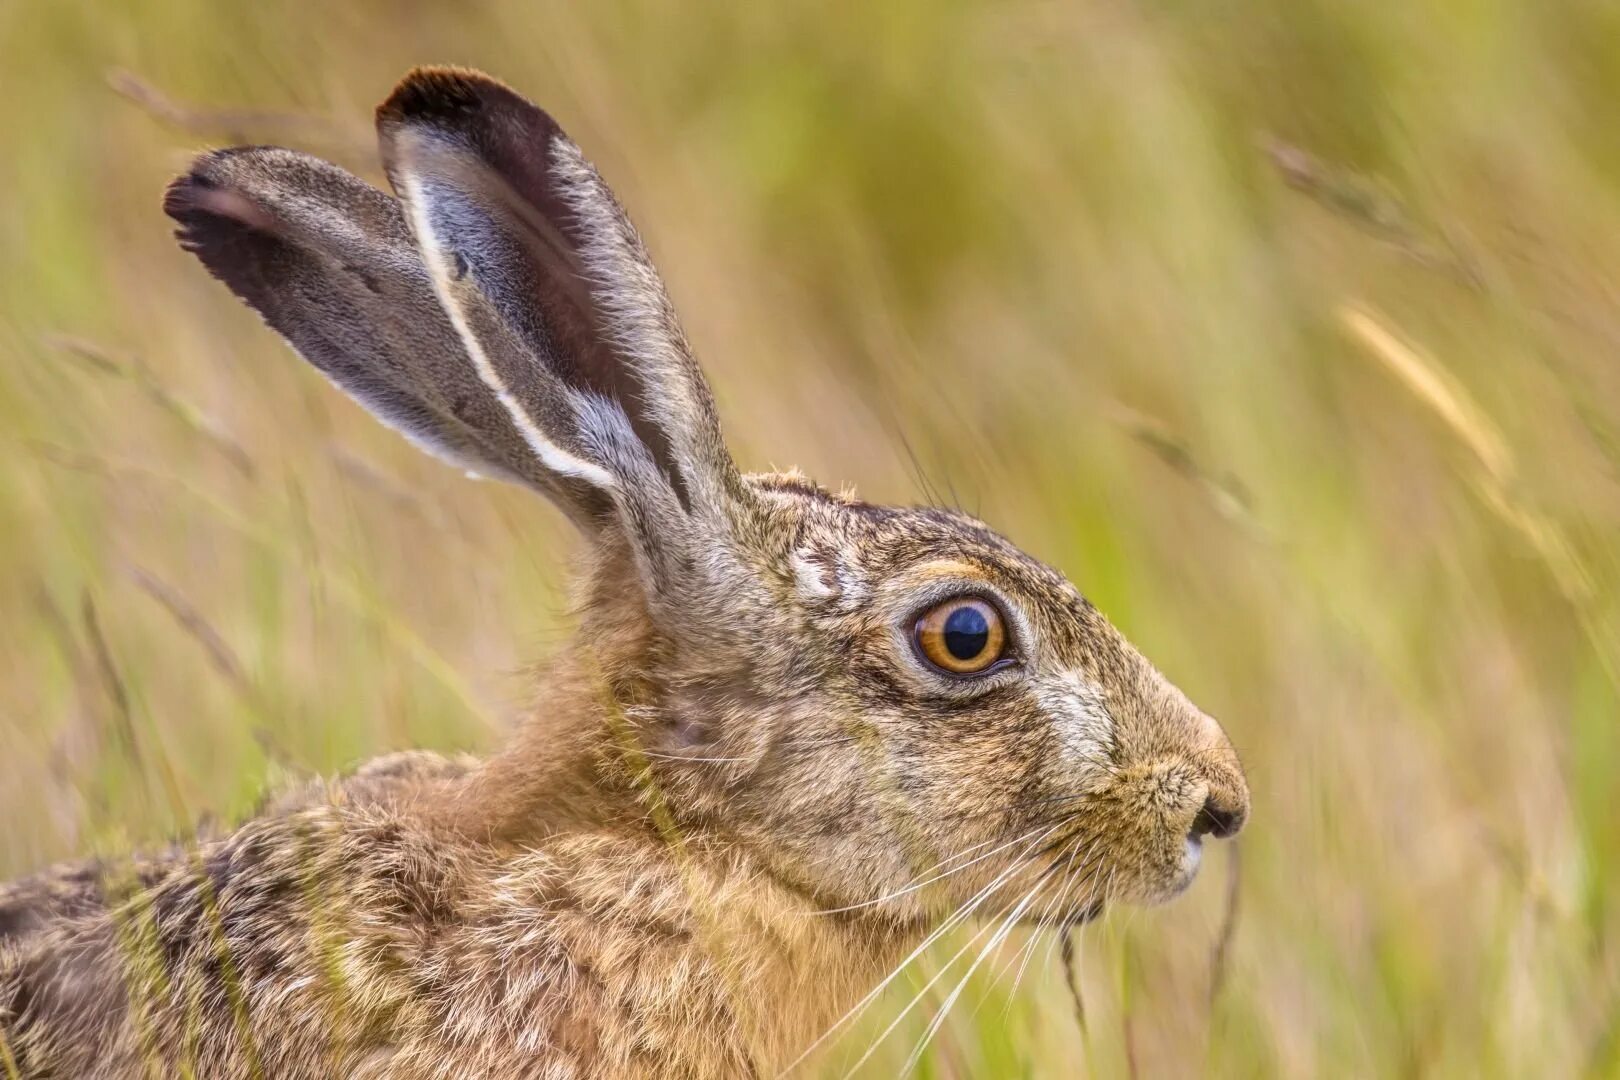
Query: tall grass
{"points": [[1287, 328]]}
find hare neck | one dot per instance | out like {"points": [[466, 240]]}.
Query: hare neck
{"points": [[713, 929], [739, 970], [549, 777], [690, 923], [703, 951], [795, 973], [562, 769]]}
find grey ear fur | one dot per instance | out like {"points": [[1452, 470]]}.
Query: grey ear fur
{"points": [[502, 313], [551, 290], [329, 263]]}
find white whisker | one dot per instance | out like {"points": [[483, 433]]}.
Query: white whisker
{"points": [[1088, 876], [950, 922], [1000, 936], [1053, 905], [917, 998], [928, 881]]}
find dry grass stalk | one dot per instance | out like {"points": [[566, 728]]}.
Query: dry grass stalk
{"points": [[1369, 207], [242, 125], [1494, 480], [104, 362], [124, 713], [1221, 955], [219, 652]]}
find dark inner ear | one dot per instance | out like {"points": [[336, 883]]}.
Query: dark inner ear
{"points": [[555, 305], [330, 265]]}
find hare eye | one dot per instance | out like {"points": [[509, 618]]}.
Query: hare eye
{"points": [[962, 636]]}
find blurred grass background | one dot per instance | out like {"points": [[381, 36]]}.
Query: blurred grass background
{"points": [[1287, 328]]}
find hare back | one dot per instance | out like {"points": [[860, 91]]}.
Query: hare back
{"points": [[84, 887], [351, 938]]}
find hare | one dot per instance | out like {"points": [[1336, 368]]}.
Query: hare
{"points": [[795, 735]]}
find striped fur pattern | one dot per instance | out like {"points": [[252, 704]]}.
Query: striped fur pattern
{"points": [[743, 798]]}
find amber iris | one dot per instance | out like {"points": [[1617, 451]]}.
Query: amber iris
{"points": [[962, 636]]}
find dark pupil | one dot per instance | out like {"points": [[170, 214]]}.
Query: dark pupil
{"points": [[966, 633]]}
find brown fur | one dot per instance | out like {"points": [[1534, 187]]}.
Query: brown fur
{"points": [[722, 826]]}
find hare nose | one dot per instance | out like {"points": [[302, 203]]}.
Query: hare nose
{"points": [[1218, 818]]}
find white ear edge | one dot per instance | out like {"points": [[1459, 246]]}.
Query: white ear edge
{"points": [[550, 455]]}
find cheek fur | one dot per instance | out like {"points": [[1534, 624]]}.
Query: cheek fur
{"points": [[1078, 712]]}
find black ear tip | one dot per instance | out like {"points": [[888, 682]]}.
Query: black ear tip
{"points": [[217, 223], [204, 197], [205, 183], [429, 93], [465, 105], [185, 194]]}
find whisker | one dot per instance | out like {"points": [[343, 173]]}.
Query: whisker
{"points": [[1073, 878], [927, 881], [1089, 875], [1021, 956], [1001, 934], [1054, 905], [917, 998], [961, 914], [656, 756]]}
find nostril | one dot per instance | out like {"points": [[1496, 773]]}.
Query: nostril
{"points": [[1216, 820]]}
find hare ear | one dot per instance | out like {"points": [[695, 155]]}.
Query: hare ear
{"points": [[556, 303], [331, 265]]}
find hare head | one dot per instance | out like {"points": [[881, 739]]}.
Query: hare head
{"points": [[892, 709]]}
